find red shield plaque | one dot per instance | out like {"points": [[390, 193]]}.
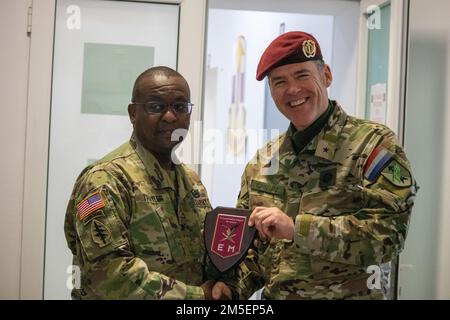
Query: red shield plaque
{"points": [[227, 236]]}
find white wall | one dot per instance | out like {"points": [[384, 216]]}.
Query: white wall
{"points": [[425, 263], [13, 101]]}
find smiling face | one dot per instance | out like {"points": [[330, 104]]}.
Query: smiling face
{"points": [[300, 91], [154, 131]]}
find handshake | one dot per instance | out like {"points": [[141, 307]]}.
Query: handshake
{"points": [[216, 290]]}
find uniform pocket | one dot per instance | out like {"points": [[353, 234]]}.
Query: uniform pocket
{"points": [[152, 234], [265, 200], [264, 194]]}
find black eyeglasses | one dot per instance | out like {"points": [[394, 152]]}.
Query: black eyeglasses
{"points": [[156, 107]]}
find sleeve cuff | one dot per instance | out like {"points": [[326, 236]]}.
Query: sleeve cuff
{"points": [[194, 293], [234, 293], [301, 232]]}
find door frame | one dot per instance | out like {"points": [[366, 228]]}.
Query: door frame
{"points": [[396, 87], [397, 63], [191, 39]]}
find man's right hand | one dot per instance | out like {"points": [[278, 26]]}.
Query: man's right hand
{"points": [[207, 289], [272, 223], [216, 290], [221, 291]]}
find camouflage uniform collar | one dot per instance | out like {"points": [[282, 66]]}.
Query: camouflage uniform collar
{"points": [[281, 150], [159, 178], [300, 139], [325, 143]]}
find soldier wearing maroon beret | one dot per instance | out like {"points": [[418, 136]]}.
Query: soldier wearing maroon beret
{"points": [[336, 210]]}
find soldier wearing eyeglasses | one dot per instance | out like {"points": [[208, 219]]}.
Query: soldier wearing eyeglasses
{"points": [[133, 222]]}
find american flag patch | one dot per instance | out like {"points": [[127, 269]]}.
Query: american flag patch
{"points": [[377, 161], [89, 205]]}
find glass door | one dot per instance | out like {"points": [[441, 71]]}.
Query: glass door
{"points": [[100, 47], [381, 84]]}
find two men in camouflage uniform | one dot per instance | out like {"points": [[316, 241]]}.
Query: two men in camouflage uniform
{"points": [[340, 199], [134, 219]]}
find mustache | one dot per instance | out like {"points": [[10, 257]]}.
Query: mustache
{"points": [[177, 134]]}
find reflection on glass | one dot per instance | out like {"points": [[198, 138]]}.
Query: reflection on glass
{"points": [[237, 138]]}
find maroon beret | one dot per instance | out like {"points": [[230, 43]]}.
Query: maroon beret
{"points": [[290, 47]]}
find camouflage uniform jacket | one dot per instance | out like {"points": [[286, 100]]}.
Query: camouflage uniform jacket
{"points": [[344, 219], [126, 233]]}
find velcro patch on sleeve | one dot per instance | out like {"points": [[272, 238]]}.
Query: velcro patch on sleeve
{"points": [[89, 205], [397, 174], [377, 161], [100, 233]]}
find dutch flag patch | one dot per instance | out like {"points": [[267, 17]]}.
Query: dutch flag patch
{"points": [[377, 161]]}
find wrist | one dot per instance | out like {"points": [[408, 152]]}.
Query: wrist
{"points": [[194, 293], [291, 234]]}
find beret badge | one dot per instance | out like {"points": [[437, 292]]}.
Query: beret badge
{"points": [[290, 47], [309, 48]]}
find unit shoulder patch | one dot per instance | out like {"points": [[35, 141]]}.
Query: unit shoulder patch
{"points": [[397, 174], [100, 233]]}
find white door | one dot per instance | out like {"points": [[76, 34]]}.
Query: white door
{"points": [[98, 48], [425, 263], [382, 49]]}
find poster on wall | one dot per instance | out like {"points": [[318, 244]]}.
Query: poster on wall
{"points": [[109, 71], [378, 103], [237, 137]]}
